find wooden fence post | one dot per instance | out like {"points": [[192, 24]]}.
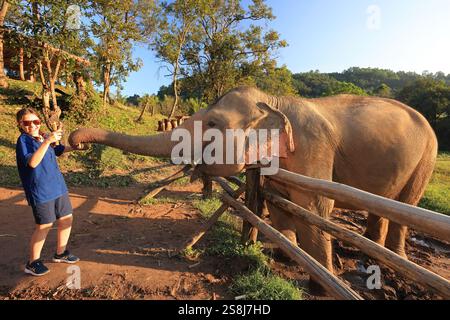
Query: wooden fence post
{"points": [[254, 201], [207, 189]]}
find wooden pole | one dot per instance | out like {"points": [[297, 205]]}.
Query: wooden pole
{"points": [[223, 183], [166, 182], [212, 220], [207, 189], [330, 282], [235, 180], [415, 272], [253, 201], [427, 221]]}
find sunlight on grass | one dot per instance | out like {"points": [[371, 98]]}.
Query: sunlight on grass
{"points": [[262, 285], [437, 194]]}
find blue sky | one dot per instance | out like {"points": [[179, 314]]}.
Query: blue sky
{"points": [[333, 35]]}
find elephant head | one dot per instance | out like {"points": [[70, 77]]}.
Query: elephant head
{"points": [[240, 110]]}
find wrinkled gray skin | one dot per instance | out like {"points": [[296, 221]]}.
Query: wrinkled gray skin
{"points": [[378, 145]]}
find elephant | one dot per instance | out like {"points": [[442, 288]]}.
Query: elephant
{"points": [[375, 144]]}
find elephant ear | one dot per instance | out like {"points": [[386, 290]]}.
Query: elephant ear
{"points": [[272, 118]]}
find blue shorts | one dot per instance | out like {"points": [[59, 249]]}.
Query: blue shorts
{"points": [[50, 211]]}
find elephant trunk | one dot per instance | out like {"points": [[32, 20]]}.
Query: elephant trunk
{"points": [[157, 145]]}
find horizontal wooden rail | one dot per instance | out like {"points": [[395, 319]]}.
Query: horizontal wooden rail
{"points": [[331, 283], [427, 221], [224, 184], [415, 272]]}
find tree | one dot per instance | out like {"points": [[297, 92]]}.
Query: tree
{"points": [[134, 100], [118, 25], [145, 102], [3, 11], [43, 26], [176, 24], [431, 98], [229, 40], [383, 91], [315, 84]]}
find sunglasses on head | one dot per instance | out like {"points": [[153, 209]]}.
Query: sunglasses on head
{"points": [[28, 123]]}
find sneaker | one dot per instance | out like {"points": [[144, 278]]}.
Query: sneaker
{"points": [[36, 268], [65, 257]]}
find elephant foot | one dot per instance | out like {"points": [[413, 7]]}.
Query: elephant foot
{"points": [[316, 289], [279, 256], [375, 238]]}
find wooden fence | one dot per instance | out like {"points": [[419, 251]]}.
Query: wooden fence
{"points": [[432, 223]]}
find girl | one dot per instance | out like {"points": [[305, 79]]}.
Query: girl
{"points": [[45, 188]]}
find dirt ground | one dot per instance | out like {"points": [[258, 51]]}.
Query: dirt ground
{"points": [[130, 252]]}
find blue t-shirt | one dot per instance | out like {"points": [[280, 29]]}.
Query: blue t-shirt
{"points": [[45, 182]]}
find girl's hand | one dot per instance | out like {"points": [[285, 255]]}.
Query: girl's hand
{"points": [[54, 136]]}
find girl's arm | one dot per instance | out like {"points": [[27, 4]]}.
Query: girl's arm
{"points": [[37, 157]]}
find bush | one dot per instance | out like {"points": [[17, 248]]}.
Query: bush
{"points": [[81, 113]]}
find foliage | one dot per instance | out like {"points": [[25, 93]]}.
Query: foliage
{"points": [[263, 285], [81, 112], [177, 24], [216, 44], [431, 98], [133, 100], [273, 80], [315, 84], [383, 91], [118, 25], [193, 105]]}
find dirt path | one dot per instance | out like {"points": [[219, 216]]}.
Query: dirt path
{"points": [[125, 253], [129, 252]]}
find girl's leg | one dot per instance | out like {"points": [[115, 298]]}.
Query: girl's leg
{"points": [[64, 228], [38, 240]]}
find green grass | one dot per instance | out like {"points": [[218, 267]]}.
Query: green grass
{"points": [[152, 201], [262, 285], [437, 194]]}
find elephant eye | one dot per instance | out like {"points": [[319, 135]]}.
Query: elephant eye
{"points": [[211, 124]]}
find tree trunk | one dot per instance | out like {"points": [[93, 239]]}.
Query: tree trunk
{"points": [[32, 73], [80, 86], [175, 80], [142, 112], [106, 83], [3, 12], [52, 77], [45, 95], [175, 101], [21, 70]]}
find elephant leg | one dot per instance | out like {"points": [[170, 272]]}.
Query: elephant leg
{"points": [[313, 240], [395, 240], [283, 222], [377, 228]]}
